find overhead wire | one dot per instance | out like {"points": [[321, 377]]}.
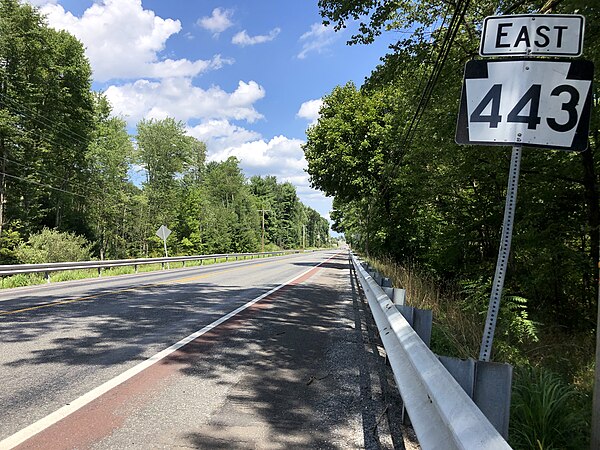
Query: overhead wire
{"points": [[43, 120], [445, 47], [41, 184], [443, 53], [57, 177], [51, 141], [20, 110]]}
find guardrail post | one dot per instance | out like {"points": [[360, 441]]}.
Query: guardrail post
{"points": [[47, 277], [135, 268], [162, 266], [396, 295], [399, 296], [226, 258], [389, 291], [489, 384], [183, 263], [420, 320], [215, 260], [99, 272]]}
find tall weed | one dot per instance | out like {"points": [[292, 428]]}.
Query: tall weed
{"points": [[543, 414]]}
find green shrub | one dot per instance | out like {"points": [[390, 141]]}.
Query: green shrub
{"points": [[544, 415], [50, 246], [9, 241]]}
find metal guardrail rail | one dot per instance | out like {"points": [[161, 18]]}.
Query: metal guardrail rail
{"points": [[47, 268], [442, 414]]}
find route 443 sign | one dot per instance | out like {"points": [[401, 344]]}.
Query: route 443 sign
{"points": [[526, 102]]}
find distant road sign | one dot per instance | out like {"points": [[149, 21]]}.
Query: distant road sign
{"points": [[163, 232], [526, 102], [533, 34]]}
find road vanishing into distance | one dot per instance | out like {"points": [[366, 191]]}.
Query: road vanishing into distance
{"points": [[271, 353]]}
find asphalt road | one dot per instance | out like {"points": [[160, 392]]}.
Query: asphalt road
{"points": [[285, 372]]}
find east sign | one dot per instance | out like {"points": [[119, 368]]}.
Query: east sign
{"points": [[533, 34]]}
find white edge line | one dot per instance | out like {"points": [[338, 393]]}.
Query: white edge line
{"points": [[28, 432]]}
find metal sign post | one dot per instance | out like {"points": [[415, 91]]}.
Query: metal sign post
{"points": [[595, 440], [503, 253]]}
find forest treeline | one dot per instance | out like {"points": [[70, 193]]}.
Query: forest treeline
{"points": [[403, 188], [66, 165]]}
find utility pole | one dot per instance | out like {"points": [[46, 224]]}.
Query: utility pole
{"points": [[262, 240], [303, 237]]}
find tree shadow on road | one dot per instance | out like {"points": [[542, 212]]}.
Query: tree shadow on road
{"points": [[309, 354]]}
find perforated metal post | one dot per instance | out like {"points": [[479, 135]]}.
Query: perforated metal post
{"points": [[507, 227]]}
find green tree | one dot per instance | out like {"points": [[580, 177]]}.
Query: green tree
{"points": [[403, 187], [46, 121], [108, 159], [165, 152], [49, 246], [234, 215]]}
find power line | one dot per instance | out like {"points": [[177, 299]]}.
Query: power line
{"points": [[38, 133], [445, 46], [52, 142], [46, 121], [56, 177], [41, 184]]}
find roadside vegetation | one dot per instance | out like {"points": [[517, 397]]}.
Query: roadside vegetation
{"points": [[554, 371], [429, 212], [67, 168]]}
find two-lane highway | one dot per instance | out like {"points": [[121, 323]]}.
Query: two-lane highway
{"points": [[60, 341], [270, 353]]}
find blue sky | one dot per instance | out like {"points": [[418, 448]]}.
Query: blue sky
{"points": [[245, 76]]}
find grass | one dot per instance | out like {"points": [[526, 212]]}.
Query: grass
{"points": [[457, 328], [545, 412]]}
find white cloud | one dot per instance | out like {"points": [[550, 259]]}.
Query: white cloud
{"points": [[177, 97], [317, 39], [309, 110], [123, 40], [219, 134], [281, 156], [243, 39], [218, 21], [42, 2]]}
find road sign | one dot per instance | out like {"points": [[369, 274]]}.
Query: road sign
{"points": [[533, 34], [526, 102], [163, 232]]}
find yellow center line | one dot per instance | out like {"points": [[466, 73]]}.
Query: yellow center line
{"points": [[118, 291]]}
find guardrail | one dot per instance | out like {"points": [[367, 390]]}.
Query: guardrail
{"points": [[442, 414], [48, 268]]}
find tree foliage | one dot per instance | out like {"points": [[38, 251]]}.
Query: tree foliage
{"points": [[67, 168], [419, 197], [54, 246]]}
